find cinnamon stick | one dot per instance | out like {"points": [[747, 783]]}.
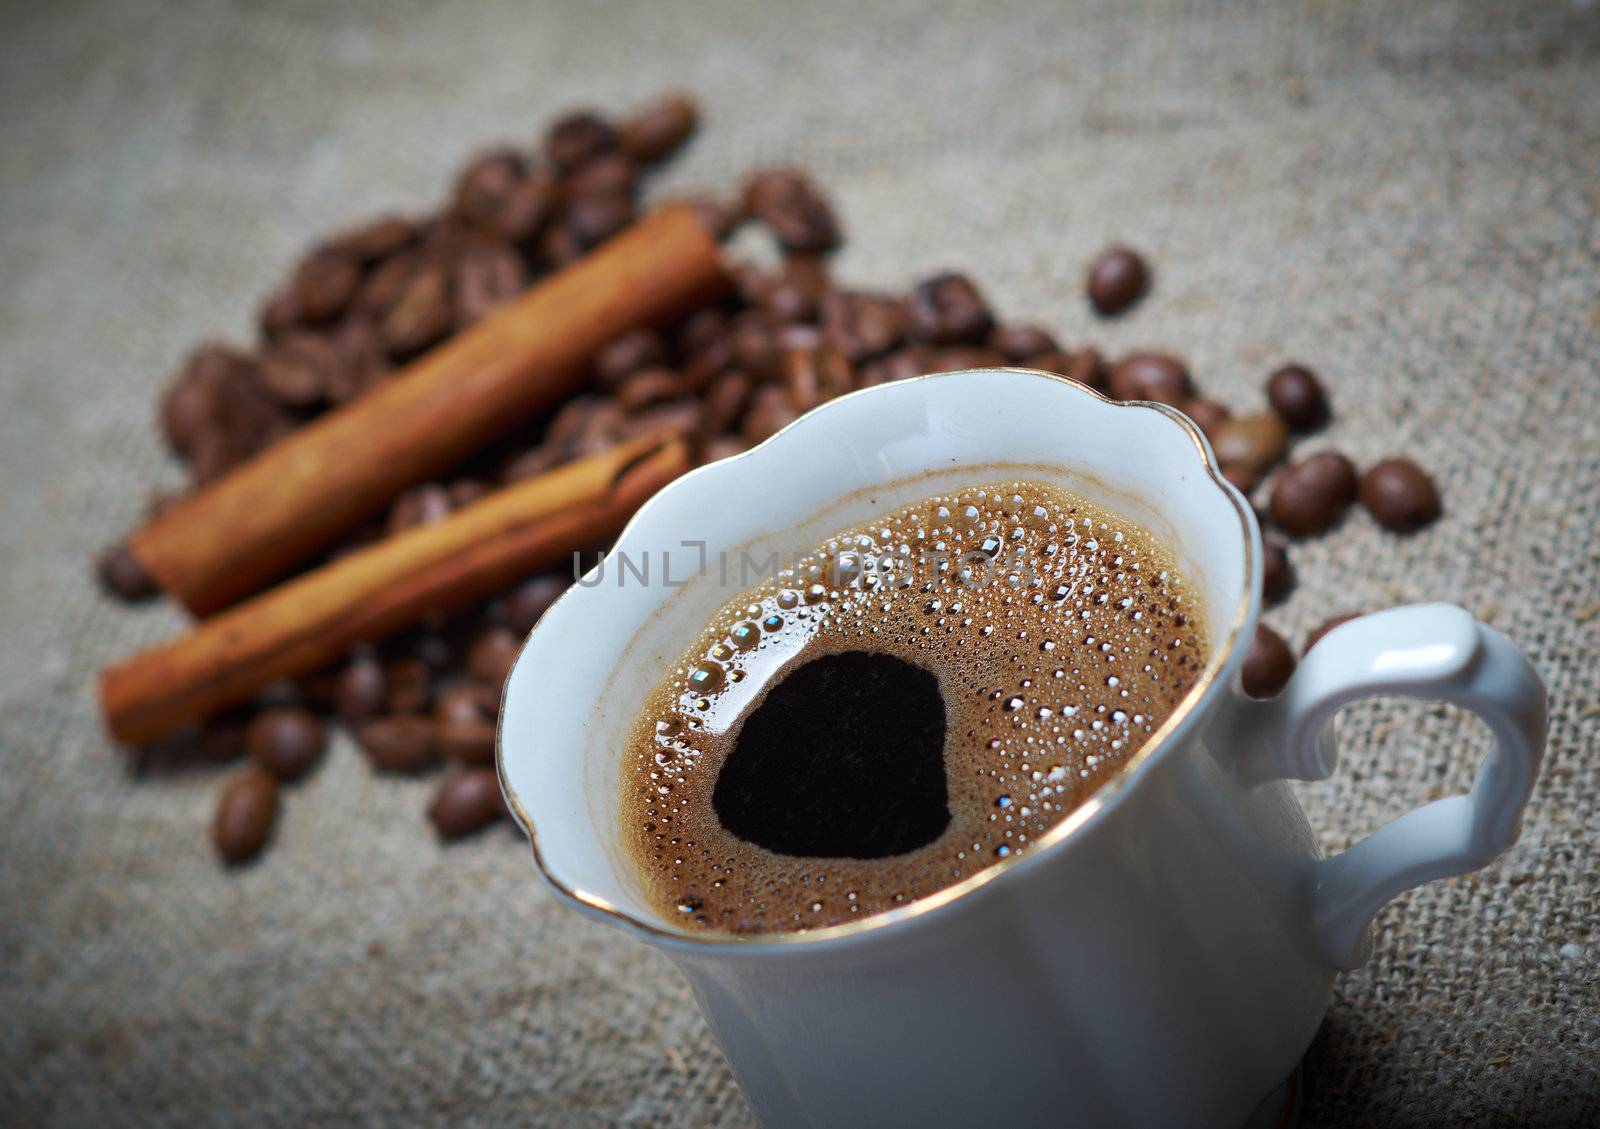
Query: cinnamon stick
{"points": [[314, 619], [298, 496]]}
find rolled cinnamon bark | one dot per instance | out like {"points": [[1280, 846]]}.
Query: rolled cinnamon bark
{"points": [[312, 620], [294, 499]]}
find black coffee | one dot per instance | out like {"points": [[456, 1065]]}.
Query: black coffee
{"points": [[843, 759], [920, 698]]}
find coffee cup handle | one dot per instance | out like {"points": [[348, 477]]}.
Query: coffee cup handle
{"points": [[1431, 651]]}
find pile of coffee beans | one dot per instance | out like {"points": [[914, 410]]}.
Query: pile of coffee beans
{"points": [[365, 301]]}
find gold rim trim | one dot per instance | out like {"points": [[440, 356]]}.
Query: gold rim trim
{"points": [[1101, 800]]}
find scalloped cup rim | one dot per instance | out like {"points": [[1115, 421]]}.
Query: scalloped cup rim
{"points": [[1218, 673]]}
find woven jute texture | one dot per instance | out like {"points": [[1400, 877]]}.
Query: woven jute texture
{"points": [[1404, 196]]}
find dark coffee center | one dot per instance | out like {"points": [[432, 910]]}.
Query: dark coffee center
{"points": [[843, 759]]}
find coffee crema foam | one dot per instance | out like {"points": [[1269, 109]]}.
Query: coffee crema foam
{"points": [[1061, 636]]}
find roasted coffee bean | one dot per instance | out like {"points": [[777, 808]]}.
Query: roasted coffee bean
{"points": [[1311, 495], [1089, 369], [213, 456], [287, 741], [574, 418], [243, 410], [1118, 277], [323, 285], [648, 387], [279, 313], [600, 429], [467, 742], [531, 599], [948, 310], [421, 505], [722, 447], [863, 326], [725, 401], [410, 685], [246, 811], [1208, 415], [484, 186], [1016, 343], [787, 202], [1296, 394], [526, 208], [387, 282], [1256, 442], [420, 316], [123, 576], [402, 743], [1400, 495], [188, 408], [446, 238], [595, 218], [468, 800], [492, 653], [610, 174], [246, 416], [1151, 376], [706, 363], [680, 417], [487, 277], [1242, 477], [1326, 626], [629, 353], [1267, 664], [770, 412], [656, 132], [1277, 575], [363, 689], [467, 701], [578, 138], [299, 369], [377, 239]]}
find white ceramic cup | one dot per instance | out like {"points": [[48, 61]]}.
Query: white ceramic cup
{"points": [[1163, 956]]}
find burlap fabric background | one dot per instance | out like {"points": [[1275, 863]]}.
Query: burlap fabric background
{"points": [[1406, 197]]}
